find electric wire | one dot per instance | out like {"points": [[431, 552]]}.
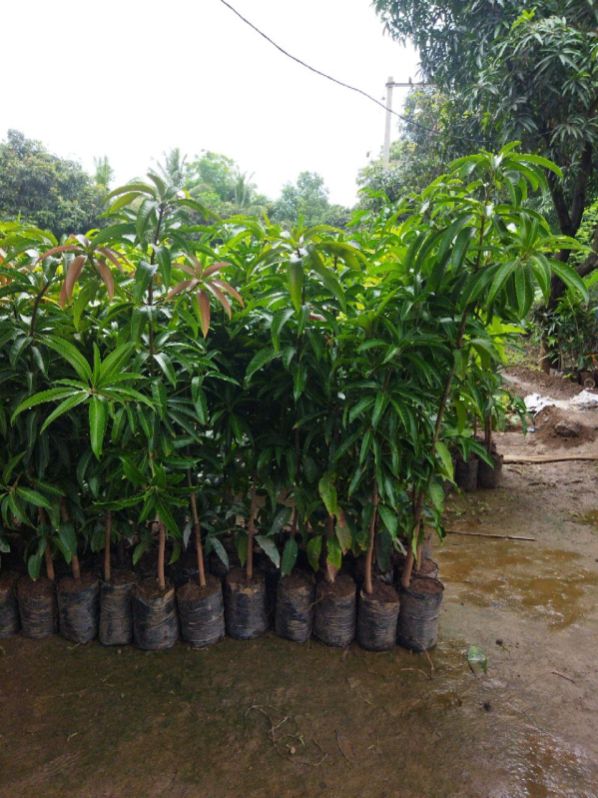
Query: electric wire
{"points": [[342, 83]]}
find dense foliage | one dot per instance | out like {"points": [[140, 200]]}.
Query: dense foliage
{"points": [[300, 390], [526, 71], [47, 191]]}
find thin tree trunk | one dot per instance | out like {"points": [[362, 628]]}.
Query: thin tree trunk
{"points": [[201, 569], [107, 542], [49, 563], [50, 573], [488, 433], [369, 559], [250, 535], [161, 555]]}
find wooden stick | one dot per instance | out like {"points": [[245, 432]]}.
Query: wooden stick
{"points": [[547, 458], [488, 535]]}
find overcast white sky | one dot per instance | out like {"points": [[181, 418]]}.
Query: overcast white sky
{"points": [[131, 79]]}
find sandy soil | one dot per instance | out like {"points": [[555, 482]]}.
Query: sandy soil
{"points": [[272, 719]]}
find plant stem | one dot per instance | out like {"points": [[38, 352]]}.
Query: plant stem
{"points": [[369, 559], [50, 573], [36, 302], [107, 541], [250, 534], [488, 433], [201, 569], [49, 563], [75, 565], [161, 554]]}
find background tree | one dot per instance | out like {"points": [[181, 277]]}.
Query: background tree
{"points": [[48, 191], [308, 199], [527, 71], [218, 183], [430, 136]]}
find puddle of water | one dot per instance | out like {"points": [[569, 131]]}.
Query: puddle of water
{"points": [[543, 766], [545, 582]]}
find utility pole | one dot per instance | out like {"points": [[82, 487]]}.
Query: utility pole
{"points": [[390, 85]]}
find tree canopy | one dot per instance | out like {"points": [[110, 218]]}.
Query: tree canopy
{"points": [[525, 71], [48, 191], [307, 199]]}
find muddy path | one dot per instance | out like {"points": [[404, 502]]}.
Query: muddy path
{"points": [[272, 719]]}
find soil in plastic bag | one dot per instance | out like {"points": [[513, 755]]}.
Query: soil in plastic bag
{"points": [[116, 612], [9, 609], [466, 473], [377, 617], [335, 611], [37, 606], [489, 477], [155, 621], [201, 612], [428, 568], [418, 616], [245, 608], [295, 606], [79, 607]]}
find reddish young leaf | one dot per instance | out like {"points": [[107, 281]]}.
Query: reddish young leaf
{"points": [[227, 288], [106, 276], [215, 267], [220, 297], [184, 285], [57, 250], [72, 275], [203, 308]]}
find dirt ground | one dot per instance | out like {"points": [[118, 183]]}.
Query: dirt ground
{"points": [[272, 719]]}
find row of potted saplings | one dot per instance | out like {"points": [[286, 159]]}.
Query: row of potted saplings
{"points": [[121, 608]]}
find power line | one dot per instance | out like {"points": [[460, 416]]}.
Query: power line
{"points": [[342, 83]]}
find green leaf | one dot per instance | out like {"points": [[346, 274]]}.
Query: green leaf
{"points": [[98, 417], [68, 539], [334, 555], [445, 459], [165, 364], [220, 550], [71, 354], [65, 407], [327, 491], [570, 277], [33, 497], [314, 552], [268, 546], [34, 564], [389, 519], [40, 398], [296, 279], [343, 534], [289, 556], [259, 360]]}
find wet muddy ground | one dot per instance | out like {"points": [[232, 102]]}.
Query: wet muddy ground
{"points": [[272, 719]]}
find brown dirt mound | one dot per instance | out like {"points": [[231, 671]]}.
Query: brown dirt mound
{"points": [[546, 421]]}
